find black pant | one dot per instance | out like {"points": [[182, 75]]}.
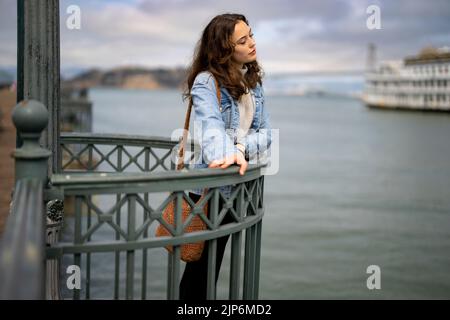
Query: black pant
{"points": [[193, 283]]}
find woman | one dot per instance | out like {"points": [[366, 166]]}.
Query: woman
{"points": [[234, 131]]}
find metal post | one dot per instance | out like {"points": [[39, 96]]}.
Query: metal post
{"points": [[38, 78], [27, 218], [30, 118], [55, 212], [38, 65]]}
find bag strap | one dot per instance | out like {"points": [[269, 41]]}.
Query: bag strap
{"points": [[180, 164]]}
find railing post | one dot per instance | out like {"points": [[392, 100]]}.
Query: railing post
{"points": [[31, 161], [55, 211], [24, 252], [38, 66], [30, 118], [38, 77]]}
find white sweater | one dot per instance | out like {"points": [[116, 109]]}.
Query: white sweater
{"points": [[246, 112]]}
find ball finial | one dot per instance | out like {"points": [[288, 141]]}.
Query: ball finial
{"points": [[30, 116]]}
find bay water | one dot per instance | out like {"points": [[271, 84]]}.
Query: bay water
{"points": [[356, 187]]}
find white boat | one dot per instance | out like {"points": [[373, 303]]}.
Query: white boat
{"points": [[419, 82]]}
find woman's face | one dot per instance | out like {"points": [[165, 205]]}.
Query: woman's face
{"points": [[245, 48]]}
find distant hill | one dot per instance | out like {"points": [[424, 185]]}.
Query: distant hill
{"points": [[129, 77]]}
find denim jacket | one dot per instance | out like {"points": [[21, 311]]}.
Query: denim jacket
{"points": [[215, 126]]}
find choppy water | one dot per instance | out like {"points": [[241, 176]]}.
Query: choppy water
{"points": [[356, 187]]}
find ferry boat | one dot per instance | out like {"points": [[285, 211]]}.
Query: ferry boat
{"points": [[420, 82]]}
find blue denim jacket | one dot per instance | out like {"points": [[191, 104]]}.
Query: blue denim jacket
{"points": [[215, 126]]}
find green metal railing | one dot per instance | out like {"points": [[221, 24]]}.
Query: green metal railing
{"points": [[117, 153], [133, 190], [22, 250], [135, 175]]}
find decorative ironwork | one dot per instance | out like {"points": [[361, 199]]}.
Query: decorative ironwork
{"points": [[55, 210], [94, 166], [114, 153], [132, 204]]}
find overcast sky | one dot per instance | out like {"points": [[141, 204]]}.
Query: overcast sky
{"points": [[291, 35]]}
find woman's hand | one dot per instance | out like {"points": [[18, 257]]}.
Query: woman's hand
{"points": [[237, 158]]}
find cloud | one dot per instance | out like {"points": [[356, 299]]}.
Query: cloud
{"points": [[8, 32], [291, 35]]}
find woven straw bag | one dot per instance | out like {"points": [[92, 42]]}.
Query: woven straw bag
{"points": [[190, 251]]}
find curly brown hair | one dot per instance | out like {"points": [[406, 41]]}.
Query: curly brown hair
{"points": [[214, 53]]}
